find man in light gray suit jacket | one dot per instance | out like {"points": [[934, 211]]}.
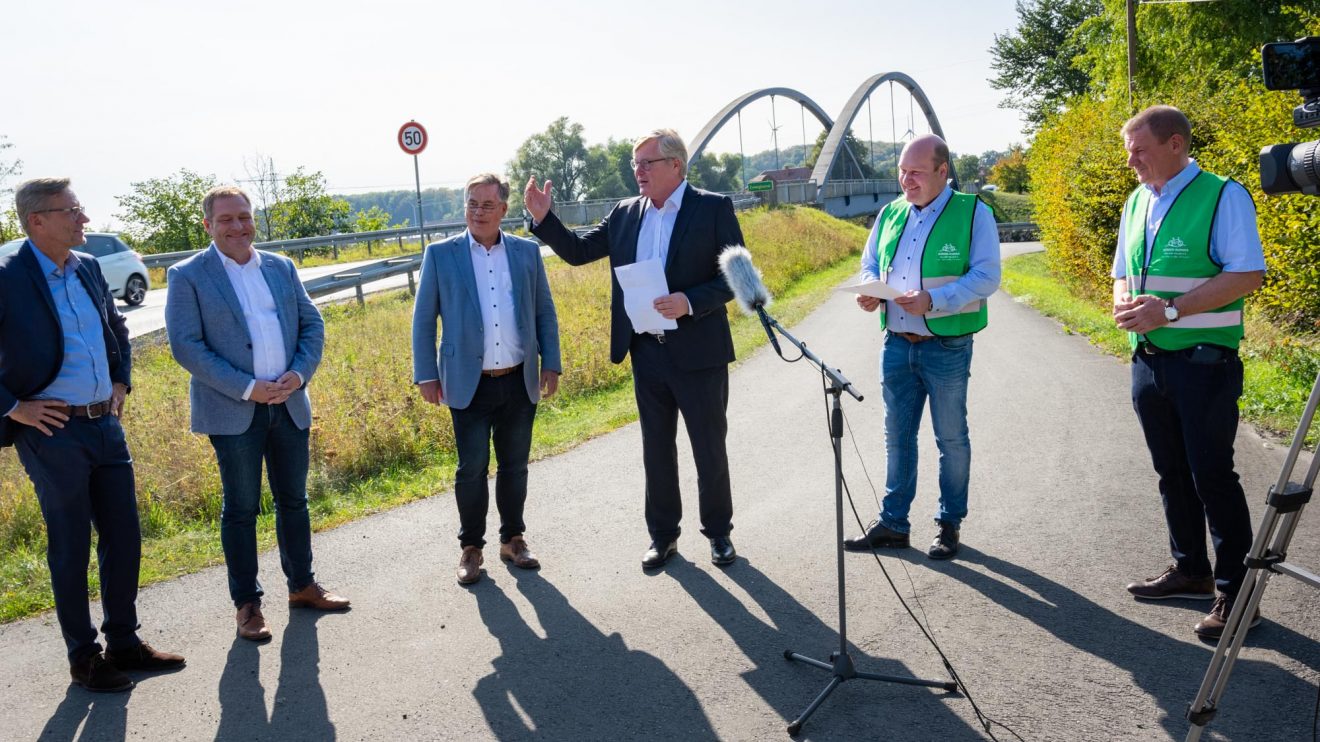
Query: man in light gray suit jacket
{"points": [[498, 354], [242, 324]]}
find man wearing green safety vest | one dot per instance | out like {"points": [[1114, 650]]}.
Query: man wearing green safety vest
{"points": [[1188, 252], [939, 249]]}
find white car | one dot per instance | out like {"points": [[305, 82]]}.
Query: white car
{"points": [[122, 266]]}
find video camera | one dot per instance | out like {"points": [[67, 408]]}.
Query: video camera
{"points": [[1295, 167]]}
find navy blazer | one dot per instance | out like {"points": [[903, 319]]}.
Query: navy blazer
{"points": [[31, 338], [704, 226]]}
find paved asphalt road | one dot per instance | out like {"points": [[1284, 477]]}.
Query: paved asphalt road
{"points": [[1032, 613]]}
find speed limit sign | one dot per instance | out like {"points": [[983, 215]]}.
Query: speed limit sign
{"points": [[412, 138]]}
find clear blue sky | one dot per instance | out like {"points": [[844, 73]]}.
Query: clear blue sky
{"points": [[112, 93]]}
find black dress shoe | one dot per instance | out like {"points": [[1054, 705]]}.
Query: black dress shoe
{"points": [[722, 552], [658, 554], [945, 544], [96, 674], [877, 536]]}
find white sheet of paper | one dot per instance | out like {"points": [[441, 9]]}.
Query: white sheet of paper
{"points": [[642, 284], [875, 287]]}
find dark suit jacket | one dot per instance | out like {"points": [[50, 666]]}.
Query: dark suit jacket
{"points": [[31, 339], [705, 225]]}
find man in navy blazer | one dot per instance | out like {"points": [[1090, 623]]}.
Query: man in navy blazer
{"points": [[682, 370], [65, 364], [498, 355], [241, 323]]}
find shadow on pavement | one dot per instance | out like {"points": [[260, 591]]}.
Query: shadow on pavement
{"points": [[859, 708], [1261, 697], [299, 711], [576, 683], [106, 716]]}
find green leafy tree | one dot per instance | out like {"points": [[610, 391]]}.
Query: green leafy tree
{"points": [[306, 210], [558, 154], [609, 172], [968, 168], [1036, 63], [721, 173], [1011, 173], [165, 214], [856, 167], [10, 229]]}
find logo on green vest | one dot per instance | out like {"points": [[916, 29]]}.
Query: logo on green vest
{"points": [[1175, 248], [949, 252]]}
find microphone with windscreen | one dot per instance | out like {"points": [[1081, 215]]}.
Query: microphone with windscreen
{"points": [[748, 289]]}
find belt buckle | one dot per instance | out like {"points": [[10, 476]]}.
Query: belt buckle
{"points": [[99, 411], [659, 337]]}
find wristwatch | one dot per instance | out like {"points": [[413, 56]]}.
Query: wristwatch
{"points": [[1170, 311]]}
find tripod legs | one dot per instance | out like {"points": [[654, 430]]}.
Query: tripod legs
{"points": [[843, 669]]}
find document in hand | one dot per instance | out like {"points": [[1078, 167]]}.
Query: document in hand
{"points": [[642, 284], [874, 287]]}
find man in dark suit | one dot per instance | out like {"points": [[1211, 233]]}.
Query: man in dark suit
{"points": [[681, 370], [240, 321], [64, 374]]}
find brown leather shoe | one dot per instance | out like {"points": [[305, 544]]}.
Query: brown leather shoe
{"points": [[1212, 626], [516, 551], [316, 597], [144, 657], [1173, 584], [251, 624], [469, 565]]}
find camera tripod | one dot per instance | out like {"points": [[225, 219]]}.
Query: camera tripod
{"points": [[1267, 558]]}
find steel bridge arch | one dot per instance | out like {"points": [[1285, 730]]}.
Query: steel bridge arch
{"points": [[834, 142], [718, 121]]}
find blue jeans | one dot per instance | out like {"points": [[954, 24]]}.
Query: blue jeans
{"points": [[272, 436], [1188, 407], [501, 412], [911, 373], [83, 475]]}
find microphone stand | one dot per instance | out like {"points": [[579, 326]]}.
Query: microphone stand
{"points": [[841, 664]]}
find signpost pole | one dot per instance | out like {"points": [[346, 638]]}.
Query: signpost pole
{"points": [[412, 140], [417, 175]]}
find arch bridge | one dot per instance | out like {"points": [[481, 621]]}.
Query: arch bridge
{"points": [[838, 181]]}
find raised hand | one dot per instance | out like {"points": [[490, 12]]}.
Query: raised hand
{"points": [[538, 200]]}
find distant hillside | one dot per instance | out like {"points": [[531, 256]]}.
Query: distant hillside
{"points": [[438, 204]]}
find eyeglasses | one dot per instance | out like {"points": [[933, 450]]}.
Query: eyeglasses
{"points": [[645, 165], [75, 211], [486, 207]]}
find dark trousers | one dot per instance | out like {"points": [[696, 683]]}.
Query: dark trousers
{"points": [[275, 438], [663, 391], [500, 412], [1187, 404], [83, 476]]}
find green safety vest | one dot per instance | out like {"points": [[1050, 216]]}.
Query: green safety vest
{"points": [[1180, 261], [945, 258]]}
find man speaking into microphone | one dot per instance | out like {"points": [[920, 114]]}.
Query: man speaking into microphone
{"points": [[940, 250], [685, 369]]}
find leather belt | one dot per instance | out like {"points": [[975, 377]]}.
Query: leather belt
{"points": [[496, 373], [912, 337], [659, 337], [90, 411]]}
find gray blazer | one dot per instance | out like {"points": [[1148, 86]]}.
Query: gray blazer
{"points": [[209, 337], [448, 291]]}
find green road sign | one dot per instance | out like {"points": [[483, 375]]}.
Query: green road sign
{"points": [[761, 185]]}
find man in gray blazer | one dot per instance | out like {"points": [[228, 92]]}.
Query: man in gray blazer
{"points": [[242, 324], [498, 355]]}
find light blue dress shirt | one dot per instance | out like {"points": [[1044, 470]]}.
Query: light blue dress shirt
{"points": [[1234, 240], [84, 375], [980, 281]]}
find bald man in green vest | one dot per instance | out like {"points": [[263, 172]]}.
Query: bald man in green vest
{"points": [[939, 249], [1188, 252]]}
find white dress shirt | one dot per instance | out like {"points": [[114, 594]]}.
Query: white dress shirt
{"points": [[658, 226], [503, 346], [263, 322]]}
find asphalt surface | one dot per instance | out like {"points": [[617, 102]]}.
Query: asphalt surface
{"points": [[1032, 613]]}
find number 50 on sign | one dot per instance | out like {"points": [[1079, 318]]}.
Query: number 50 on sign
{"points": [[412, 138]]}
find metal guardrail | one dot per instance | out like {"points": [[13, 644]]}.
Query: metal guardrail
{"points": [[1018, 232], [362, 275]]}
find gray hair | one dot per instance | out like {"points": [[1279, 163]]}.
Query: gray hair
{"points": [[1163, 122], [32, 196], [671, 146], [484, 179], [219, 192]]}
